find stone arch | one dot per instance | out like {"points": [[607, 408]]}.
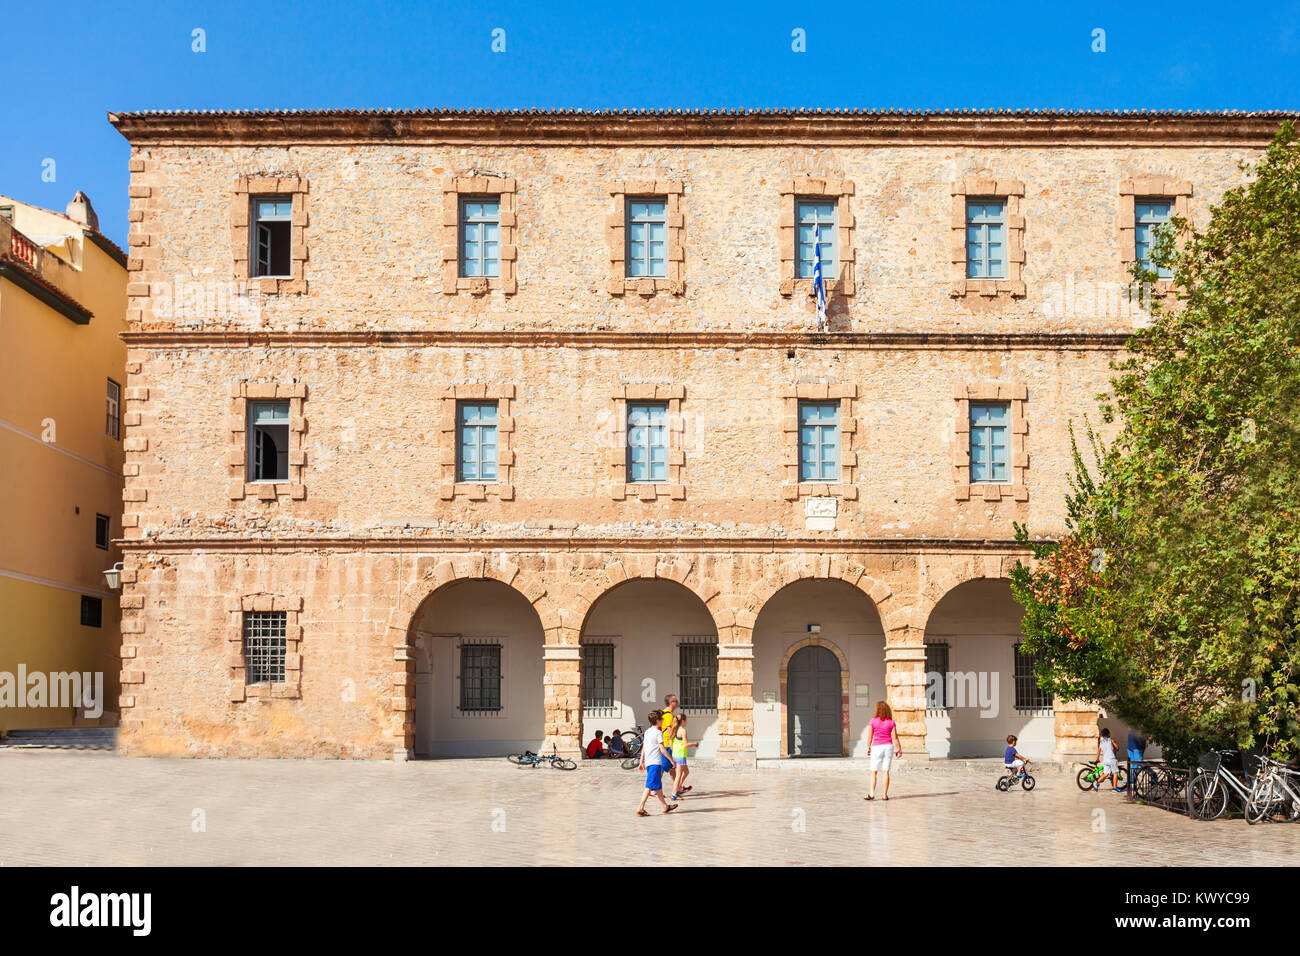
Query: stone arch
{"points": [[741, 621], [951, 574], [783, 683], [433, 576], [684, 570]]}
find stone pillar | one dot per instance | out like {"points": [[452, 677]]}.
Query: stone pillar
{"points": [[562, 694], [1076, 730], [735, 706], [401, 719], [905, 684]]}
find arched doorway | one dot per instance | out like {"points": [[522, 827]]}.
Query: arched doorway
{"points": [[814, 703], [479, 671], [841, 620]]}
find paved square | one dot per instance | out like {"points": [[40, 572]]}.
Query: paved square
{"points": [[101, 809]]}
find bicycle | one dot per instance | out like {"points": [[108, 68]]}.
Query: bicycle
{"points": [[1212, 786], [530, 759], [1021, 776], [1276, 795], [1090, 777]]}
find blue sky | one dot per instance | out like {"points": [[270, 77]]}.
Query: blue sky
{"points": [[67, 65]]}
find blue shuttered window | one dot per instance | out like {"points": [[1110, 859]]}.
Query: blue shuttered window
{"points": [[476, 433], [1147, 218], [647, 442], [816, 218], [647, 238], [480, 238], [986, 226], [819, 441], [990, 427]]}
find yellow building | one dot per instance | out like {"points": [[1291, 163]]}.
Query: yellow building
{"points": [[62, 379]]}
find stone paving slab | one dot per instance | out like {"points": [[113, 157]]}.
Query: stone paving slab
{"points": [[78, 809]]}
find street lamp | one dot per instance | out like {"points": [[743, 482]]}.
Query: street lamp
{"points": [[114, 576]]}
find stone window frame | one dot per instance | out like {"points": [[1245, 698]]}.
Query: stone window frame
{"points": [[456, 188], [291, 687], [241, 393], [619, 282], [1010, 191], [620, 487], [1147, 187], [851, 425], [241, 219], [841, 192], [503, 489], [1017, 397]]}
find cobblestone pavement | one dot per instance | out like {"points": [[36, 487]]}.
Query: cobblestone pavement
{"points": [[101, 809]]}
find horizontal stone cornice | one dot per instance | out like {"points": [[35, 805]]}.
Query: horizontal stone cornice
{"points": [[510, 338], [675, 544], [774, 128]]}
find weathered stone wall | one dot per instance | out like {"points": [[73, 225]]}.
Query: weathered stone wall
{"points": [[374, 233]]}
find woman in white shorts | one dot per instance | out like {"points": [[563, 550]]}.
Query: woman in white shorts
{"points": [[884, 746]]}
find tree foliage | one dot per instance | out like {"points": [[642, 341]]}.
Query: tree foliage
{"points": [[1174, 597]]}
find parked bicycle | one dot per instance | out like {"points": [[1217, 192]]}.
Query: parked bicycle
{"points": [[530, 759], [1090, 777], [1276, 793], [1213, 787]]}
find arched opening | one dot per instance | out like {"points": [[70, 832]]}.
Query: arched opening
{"points": [[478, 677], [979, 686], [841, 623], [643, 639]]}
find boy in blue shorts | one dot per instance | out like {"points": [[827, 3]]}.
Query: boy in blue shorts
{"points": [[653, 753]]}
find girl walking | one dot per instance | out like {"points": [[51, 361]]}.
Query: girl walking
{"points": [[680, 746]]}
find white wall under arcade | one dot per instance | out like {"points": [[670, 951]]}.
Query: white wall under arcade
{"points": [[646, 621], [980, 623], [471, 611]]}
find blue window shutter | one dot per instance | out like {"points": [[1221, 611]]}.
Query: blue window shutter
{"points": [[647, 442], [990, 432], [476, 445], [819, 441]]}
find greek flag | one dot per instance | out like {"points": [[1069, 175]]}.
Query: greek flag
{"points": [[819, 284]]}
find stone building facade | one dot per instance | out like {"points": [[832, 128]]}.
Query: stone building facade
{"points": [[415, 607]]}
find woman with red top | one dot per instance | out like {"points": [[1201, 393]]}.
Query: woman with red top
{"points": [[884, 745]]}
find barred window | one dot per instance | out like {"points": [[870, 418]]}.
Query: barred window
{"points": [[597, 677], [698, 660], [264, 644], [480, 677], [936, 677], [1029, 696]]}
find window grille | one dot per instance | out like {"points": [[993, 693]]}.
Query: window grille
{"points": [[698, 673], [264, 646]]}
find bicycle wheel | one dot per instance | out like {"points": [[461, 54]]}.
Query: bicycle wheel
{"points": [[630, 763], [1003, 784], [518, 760], [563, 763], [1260, 803], [1121, 778], [1145, 784], [1207, 798], [1027, 782], [1083, 779]]}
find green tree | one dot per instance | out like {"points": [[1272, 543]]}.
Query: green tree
{"points": [[1174, 597]]}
